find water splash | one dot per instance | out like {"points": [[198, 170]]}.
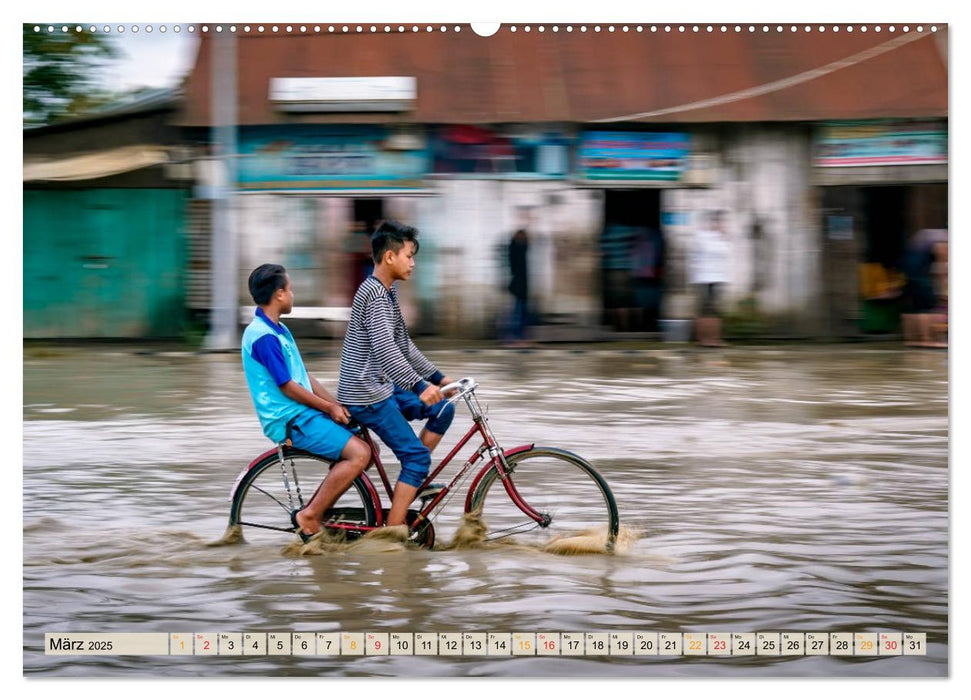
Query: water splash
{"points": [[592, 541], [233, 535], [391, 538], [44, 524], [472, 533], [379, 541]]}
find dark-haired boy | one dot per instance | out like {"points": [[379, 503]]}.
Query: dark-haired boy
{"points": [[384, 380], [289, 400]]}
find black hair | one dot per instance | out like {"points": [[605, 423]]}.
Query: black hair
{"points": [[265, 280], [391, 235]]}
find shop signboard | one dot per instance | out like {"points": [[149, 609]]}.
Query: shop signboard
{"points": [[479, 151], [322, 158], [371, 94], [616, 155], [884, 142]]}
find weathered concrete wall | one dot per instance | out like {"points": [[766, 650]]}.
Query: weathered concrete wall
{"points": [[761, 177], [758, 175], [772, 188], [467, 227]]}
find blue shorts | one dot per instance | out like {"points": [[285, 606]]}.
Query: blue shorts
{"points": [[412, 408], [318, 433], [388, 420]]}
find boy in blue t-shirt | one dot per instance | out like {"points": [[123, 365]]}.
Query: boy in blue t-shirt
{"points": [[286, 396]]}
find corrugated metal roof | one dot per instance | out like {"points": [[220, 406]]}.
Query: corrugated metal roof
{"points": [[589, 77], [140, 102]]}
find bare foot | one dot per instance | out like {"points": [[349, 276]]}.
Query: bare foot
{"points": [[308, 524]]}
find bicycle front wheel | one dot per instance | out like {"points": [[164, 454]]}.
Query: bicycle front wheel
{"points": [[266, 495], [576, 508]]}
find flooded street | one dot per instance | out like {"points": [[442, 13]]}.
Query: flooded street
{"points": [[769, 488]]}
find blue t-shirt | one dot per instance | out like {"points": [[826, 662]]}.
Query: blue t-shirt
{"points": [[271, 359], [269, 353]]}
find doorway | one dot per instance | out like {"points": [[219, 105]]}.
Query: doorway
{"points": [[367, 215], [866, 231], [632, 257]]}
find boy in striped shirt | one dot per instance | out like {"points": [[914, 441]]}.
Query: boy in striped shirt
{"points": [[384, 380]]}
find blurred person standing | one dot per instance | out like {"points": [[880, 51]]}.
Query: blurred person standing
{"points": [[518, 259], [939, 320], [709, 270], [648, 276], [616, 245], [920, 266], [357, 247], [761, 255]]}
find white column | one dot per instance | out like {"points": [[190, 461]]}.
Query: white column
{"points": [[223, 324]]}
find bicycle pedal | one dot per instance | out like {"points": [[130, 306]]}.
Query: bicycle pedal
{"points": [[430, 491]]}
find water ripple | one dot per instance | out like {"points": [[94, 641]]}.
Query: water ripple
{"points": [[774, 488]]}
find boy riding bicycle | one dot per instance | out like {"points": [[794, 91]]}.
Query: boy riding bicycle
{"points": [[384, 380], [292, 404]]}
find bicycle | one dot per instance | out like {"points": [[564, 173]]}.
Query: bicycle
{"points": [[537, 494]]}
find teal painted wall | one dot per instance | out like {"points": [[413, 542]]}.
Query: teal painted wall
{"points": [[106, 263]]}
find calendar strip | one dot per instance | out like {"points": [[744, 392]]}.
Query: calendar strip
{"points": [[511, 644]]}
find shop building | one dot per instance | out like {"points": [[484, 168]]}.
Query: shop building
{"points": [[877, 183], [599, 137], [106, 201]]}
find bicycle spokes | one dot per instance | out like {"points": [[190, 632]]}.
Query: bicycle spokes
{"points": [[546, 495], [269, 492]]}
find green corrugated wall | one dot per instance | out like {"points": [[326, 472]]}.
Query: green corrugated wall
{"points": [[106, 263]]}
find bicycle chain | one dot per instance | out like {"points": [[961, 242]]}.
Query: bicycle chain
{"points": [[448, 498]]}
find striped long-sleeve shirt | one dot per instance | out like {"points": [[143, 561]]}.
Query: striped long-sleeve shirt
{"points": [[378, 352]]}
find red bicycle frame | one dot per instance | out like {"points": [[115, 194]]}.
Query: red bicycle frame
{"points": [[497, 461]]}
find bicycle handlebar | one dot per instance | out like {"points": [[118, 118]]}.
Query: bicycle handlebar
{"points": [[464, 387]]}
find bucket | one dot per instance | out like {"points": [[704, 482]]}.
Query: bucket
{"points": [[675, 330]]}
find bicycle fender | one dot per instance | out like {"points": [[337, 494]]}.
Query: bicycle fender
{"points": [[246, 469], [269, 453], [516, 450], [482, 472], [375, 499]]}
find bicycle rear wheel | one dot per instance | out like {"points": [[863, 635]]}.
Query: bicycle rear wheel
{"points": [[263, 500], [578, 509]]}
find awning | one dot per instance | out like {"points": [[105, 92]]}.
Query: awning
{"points": [[90, 166]]}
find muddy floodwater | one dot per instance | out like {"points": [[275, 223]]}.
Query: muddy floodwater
{"points": [[759, 489]]}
